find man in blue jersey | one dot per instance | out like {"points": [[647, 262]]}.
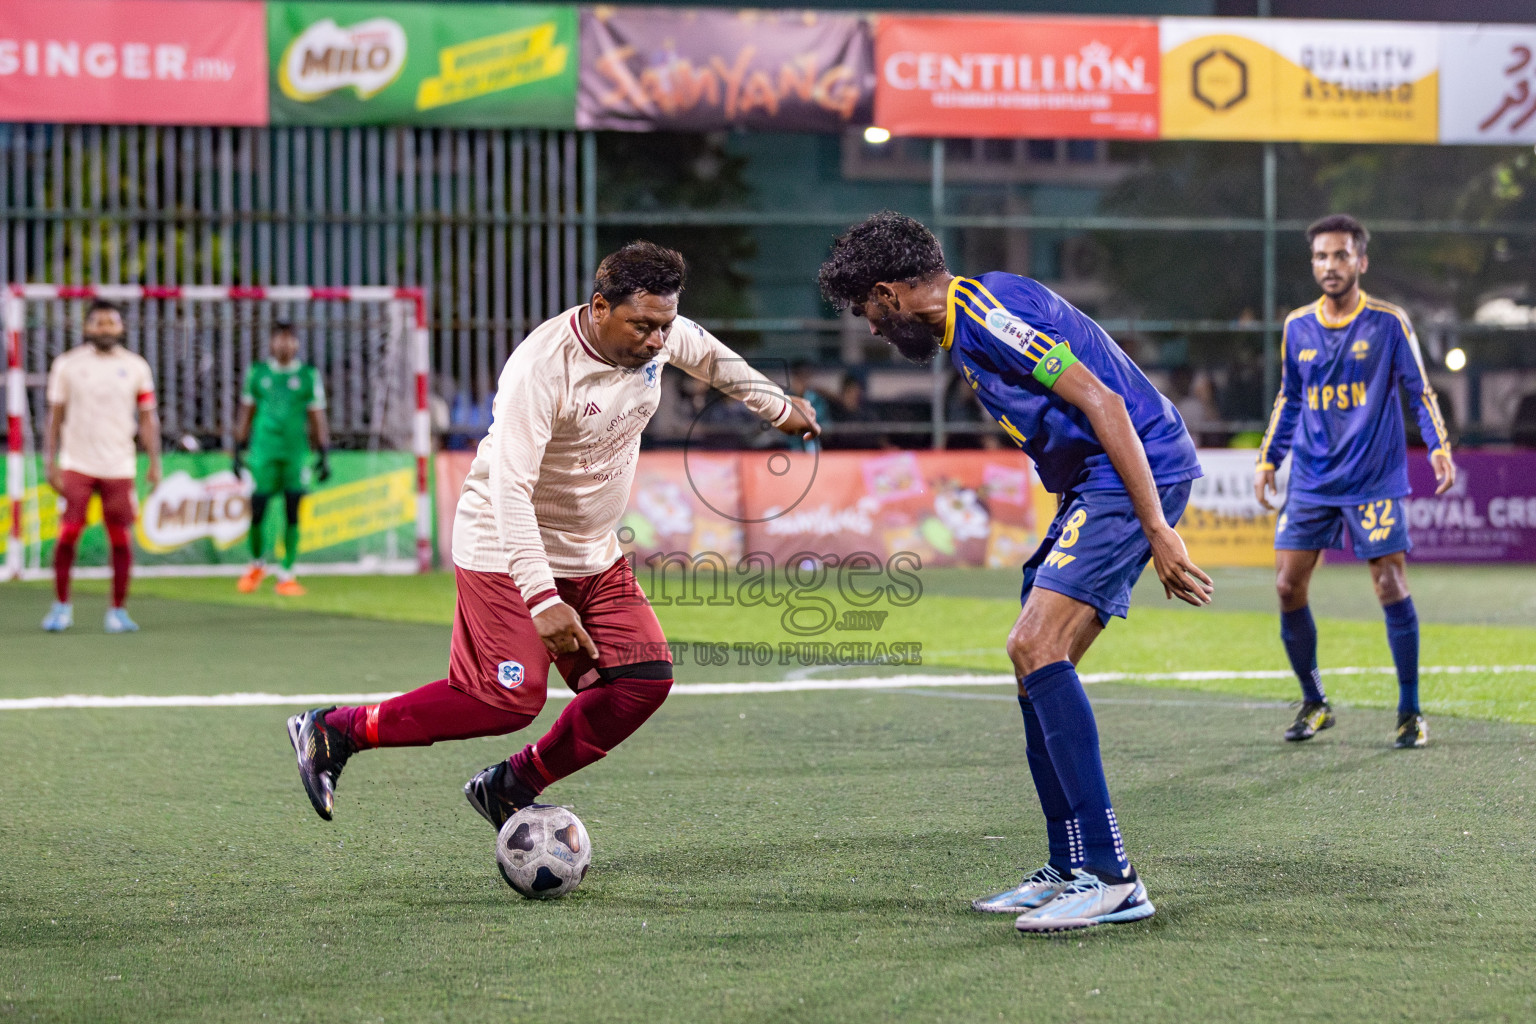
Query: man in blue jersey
{"points": [[1119, 457], [1343, 359]]}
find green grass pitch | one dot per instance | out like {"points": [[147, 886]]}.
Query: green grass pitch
{"points": [[798, 856]]}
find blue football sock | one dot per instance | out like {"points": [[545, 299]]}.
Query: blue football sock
{"points": [[1072, 737], [1062, 835], [1299, 634], [1403, 638]]}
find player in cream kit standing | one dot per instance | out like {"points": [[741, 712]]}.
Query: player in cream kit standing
{"points": [[99, 396], [540, 575]]}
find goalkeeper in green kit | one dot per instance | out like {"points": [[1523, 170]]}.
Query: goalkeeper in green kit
{"points": [[282, 408]]}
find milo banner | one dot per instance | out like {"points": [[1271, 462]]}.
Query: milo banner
{"points": [[363, 517], [704, 69], [468, 65], [1304, 81]]}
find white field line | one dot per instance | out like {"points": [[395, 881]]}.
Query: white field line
{"points": [[240, 700]]}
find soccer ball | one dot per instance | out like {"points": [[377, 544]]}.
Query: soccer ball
{"points": [[543, 852]]}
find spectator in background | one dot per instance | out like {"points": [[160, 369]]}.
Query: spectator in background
{"points": [[800, 384], [1192, 395], [852, 410], [1242, 398], [711, 420]]}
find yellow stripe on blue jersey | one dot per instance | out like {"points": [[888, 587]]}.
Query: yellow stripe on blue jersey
{"points": [[1001, 329]]}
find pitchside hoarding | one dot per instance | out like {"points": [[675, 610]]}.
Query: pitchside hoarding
{"points": [[703, 69], [1017, 77], [200, 514], [467, 65], [1304, 81], [148, 62]]}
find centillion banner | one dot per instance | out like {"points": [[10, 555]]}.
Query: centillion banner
{"points": [[1299, 81]]}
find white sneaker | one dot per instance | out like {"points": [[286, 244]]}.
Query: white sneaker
{"points": [[117, 621], [60, 617], [1037, 889], [1089, 900]]}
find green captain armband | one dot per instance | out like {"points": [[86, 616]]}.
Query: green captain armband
{"points": [[1053, 364]]}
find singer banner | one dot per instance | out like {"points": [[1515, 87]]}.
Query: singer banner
{"points": [[149, 62]]}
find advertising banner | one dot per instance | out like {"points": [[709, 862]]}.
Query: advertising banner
{"points": [[1488, 84], [1012, 77], [705, 69], [1488, 515], [148, 62], [466, 65], [200, 514], [1304, 81], [1224, 525], [974, 508]]}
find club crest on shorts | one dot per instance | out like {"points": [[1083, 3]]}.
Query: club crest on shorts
{"points": [[510, 674]]}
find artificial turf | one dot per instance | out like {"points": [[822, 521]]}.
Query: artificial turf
{"points": [[778, 856]]}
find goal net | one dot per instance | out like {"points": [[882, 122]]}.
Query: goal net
{"points": [[371, 349]]}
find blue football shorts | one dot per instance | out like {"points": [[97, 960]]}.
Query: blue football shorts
{"points": [[1095, 549], [1376, 528]]}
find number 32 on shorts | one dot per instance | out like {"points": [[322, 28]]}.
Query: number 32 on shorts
{"points": [[1377, 513], [1377, 518]]}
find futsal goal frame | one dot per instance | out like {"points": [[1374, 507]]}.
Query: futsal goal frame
{"points": [[410, 302]]}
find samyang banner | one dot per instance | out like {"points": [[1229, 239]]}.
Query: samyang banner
{"points": [[1488, 84], [466, 65], [672, 69], [1017, 77], [148, 62], [1301, 81]]}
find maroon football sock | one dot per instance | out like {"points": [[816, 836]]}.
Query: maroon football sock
{"points": [[64, 559], [122, 562], [593, 723], [422, 717]]}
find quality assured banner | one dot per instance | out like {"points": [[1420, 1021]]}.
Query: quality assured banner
{"points": [[1011, 77], [469, 65], [1488, 84], [147, 62], [1305, 81], [671, 69]]}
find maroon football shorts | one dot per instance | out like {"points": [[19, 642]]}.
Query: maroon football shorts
{"points": [[117, 498], [497, 656]]}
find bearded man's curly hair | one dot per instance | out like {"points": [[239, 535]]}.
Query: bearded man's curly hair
{"points": [[885, 247]]}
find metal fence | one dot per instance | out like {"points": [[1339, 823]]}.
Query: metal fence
{"points": [[499, 227], [488, 223]]}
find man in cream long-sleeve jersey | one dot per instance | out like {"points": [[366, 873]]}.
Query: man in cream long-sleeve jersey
{"points": [[541, 579]]}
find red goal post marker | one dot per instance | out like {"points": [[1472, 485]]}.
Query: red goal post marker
{"points": [[16, 296]]}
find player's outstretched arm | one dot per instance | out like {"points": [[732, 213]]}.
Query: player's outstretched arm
{"points": [[1112, 425]]}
